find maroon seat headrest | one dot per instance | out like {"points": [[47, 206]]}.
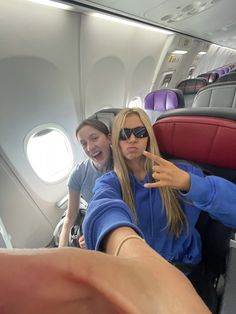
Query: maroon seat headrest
{"points": [[211, 77], [202, 139], [192, 86]]}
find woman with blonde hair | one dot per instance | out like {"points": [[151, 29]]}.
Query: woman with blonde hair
{"points": [[149, 198], [175, 216], [159, 199]]}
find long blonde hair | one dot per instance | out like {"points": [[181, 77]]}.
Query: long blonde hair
{"points": [[176, 218]]}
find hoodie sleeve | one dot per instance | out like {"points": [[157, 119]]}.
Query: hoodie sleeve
{"points": [[214, 195], [106, 212]]}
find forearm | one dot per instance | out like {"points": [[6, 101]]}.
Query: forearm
{"points": [[71, 213], [101, 284], [101, 217], [64, 236], [172, 290], [25, 282], [50, 281], [133, 247]]}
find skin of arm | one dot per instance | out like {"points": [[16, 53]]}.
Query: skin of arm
{"points": [[170, 287], [72, 210], [137, 281], [67, 280]]}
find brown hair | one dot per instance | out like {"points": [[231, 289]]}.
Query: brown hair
{"points": [[94, 123]]}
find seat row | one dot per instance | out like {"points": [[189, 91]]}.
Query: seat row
{"points": [[192, 93], [207, 90], [218, 95]]}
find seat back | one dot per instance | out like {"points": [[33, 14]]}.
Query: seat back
{"points": [[106, 116], [219, 71], [226, 69], [215, 243], [231, 76], [211, 77], [206, 137], [158, 101], [190, 87], [216, 95]]}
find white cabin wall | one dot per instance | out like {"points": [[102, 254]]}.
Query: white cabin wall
{"points": [[46, 53], [118, 62], [175, 63], [39, 84], [25, 223]]}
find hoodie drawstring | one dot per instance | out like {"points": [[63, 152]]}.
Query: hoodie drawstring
{"points": [[151, 212]]}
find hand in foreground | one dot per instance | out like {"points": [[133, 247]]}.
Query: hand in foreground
{"points": [[69, 280], [167, 174]]}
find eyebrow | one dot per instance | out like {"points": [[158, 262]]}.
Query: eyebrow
{"points": [[91, 135]]}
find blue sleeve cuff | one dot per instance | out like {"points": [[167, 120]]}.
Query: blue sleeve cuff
{"points": [[98, 246], [199, 190], [99, 222], [214, 195]]}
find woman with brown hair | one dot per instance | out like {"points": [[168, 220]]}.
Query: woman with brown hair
{"points": [[95, 139]]}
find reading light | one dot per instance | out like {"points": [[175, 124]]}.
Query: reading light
{"points": [[131, 23], [54, 4], [179, 52], [202, 53]]}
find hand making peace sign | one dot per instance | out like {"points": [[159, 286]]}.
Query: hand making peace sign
{"points": [[167, 174]]}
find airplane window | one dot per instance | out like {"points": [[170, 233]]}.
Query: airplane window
{"points": [[135, 102], [50, 154]]}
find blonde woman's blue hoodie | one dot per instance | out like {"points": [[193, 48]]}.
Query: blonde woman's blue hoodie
{"points": [[107, 211]]}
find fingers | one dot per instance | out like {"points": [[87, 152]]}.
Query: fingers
{"points": [[160, 170], [161, 180], [157, 169], [82, 242], [82, 245], [155, 158], [153, 185]]}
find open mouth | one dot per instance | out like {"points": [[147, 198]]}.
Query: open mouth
{"points": [[97, 155]]}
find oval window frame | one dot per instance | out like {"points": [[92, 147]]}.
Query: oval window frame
{"points": [[60, 130], [136, 99]]}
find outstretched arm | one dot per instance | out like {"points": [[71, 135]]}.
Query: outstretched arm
{"points": [[67, 280], [165, 289]]}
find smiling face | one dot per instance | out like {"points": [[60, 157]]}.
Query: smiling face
{"points": [[96, 146], [133, 147]]}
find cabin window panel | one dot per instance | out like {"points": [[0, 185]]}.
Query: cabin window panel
{"points": [[50, 154], [166, 79], [135, 102], [190, 72]]}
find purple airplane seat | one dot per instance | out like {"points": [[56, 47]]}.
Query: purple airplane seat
{"points": [[162, 100]]}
